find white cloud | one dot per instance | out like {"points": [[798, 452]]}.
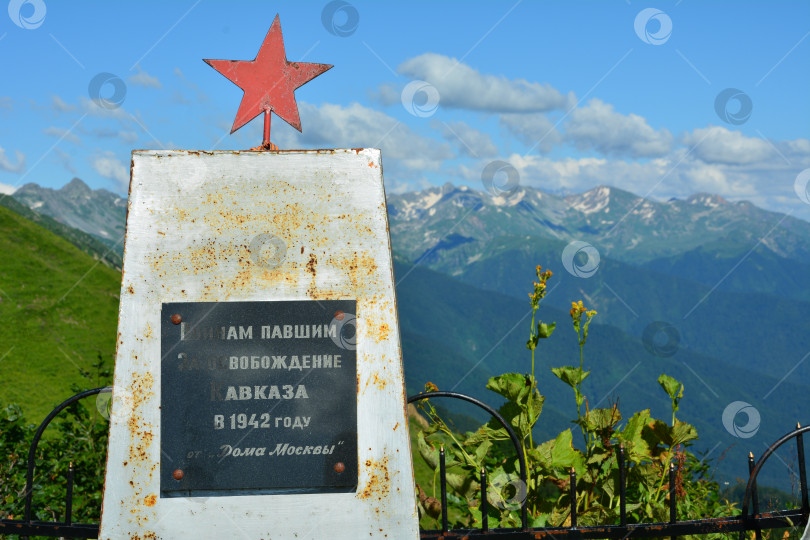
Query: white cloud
{"points": [[66, 160], [179, 98], [768, 184], [532, 129], [142, 78], [597, 126], [6, 165], [127, 137], [109, 166], [797, 146], [59, 105], [201, 96], [356, 126], [387, 94], [393, 185], [6, 189], [62, 133], [716, 144], [91, 108], [675, 175], [125, 120], [468, 140], [462, 87]]}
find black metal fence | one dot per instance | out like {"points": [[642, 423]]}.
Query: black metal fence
{"points": [[756, 521], [747, 521], [66, 529]]}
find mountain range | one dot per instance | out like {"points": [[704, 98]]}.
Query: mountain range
{"points": [[439, 226], [98, 212], [709, 291]]}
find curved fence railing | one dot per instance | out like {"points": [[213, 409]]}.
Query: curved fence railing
{"points": [[757, 521], [753, 521], [751, 486], [66, 529], [524, 519]]}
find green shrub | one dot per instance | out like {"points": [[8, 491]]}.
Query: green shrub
{"points": [[78, 435], [650, 445]]}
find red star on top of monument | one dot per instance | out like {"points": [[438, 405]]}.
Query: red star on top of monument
{"points": [[268, 82]]}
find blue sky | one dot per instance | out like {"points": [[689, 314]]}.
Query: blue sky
{"points": [[572, 94]]}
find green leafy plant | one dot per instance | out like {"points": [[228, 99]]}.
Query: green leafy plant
{"points": [[674, 390], [650, 446], [573, 376], [77, 436]]}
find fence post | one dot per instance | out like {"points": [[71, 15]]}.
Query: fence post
{"points": [[802, 473], [572, 479], [69, 496], [622, 488], [443, 474], [484, 503]]}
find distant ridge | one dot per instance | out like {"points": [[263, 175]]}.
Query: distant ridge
{"points": [[97, 212], [625, 226], [87, 243]]}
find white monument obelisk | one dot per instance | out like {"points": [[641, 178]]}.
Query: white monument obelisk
{"points": [[258, 387]]}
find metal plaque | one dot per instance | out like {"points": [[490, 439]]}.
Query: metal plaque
{"points": [[258, 398]]}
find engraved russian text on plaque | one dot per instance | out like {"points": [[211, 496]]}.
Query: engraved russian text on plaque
{"points": [[258, 398]]}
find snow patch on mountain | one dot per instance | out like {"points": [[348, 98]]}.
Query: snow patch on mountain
{"points": [[509, 199], [592, 201], [707, 199], [407, 207], [428, 200], [649, 228], [646, 211]]}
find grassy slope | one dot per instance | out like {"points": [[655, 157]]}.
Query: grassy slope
{"points": [[85, 242], [59, 311]]}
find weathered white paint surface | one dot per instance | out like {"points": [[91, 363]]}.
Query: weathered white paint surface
{"points": [[192, 216]]}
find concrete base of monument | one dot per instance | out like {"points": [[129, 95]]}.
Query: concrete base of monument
{"points": [[258, 387]]}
